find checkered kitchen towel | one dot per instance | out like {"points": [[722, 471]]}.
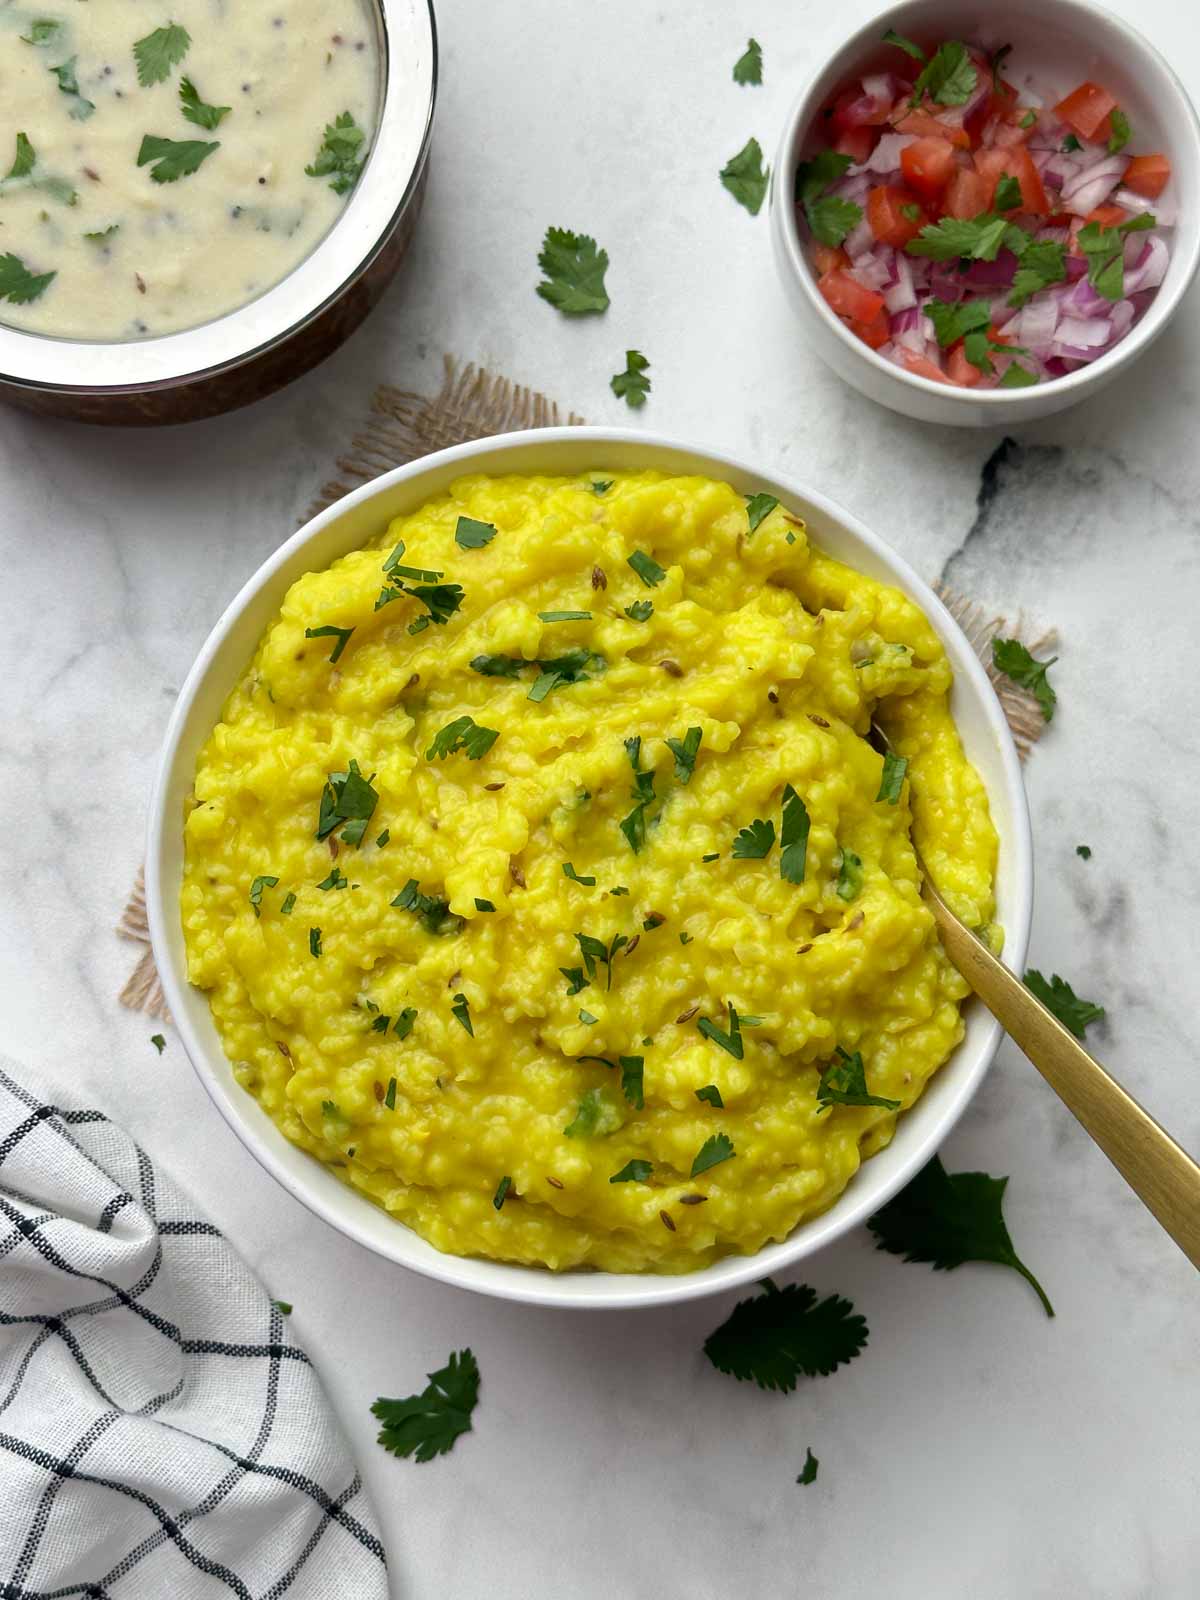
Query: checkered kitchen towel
{"points": [[161, 1435]]}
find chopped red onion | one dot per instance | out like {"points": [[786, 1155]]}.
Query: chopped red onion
{"points": [[885, 158], [859, 240], [901, 294]]}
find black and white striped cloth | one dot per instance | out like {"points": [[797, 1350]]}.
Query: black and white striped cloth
{"points": [[161, 1435]]}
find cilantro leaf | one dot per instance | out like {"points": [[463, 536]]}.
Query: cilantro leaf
{"points": [[1121, 131], [25, 159], [1105, 250], [595, 950], [632, 1069], [632, 385], [901, 43], [314, 941], [640, 610], [793, 837], [758, 507], [471, 534], [340, 156], [1008, 193], [746, 178], [1059, 997], [1071, 142], [844, 1083], [633, 1172], [958, 238], [501, 1193], [754, 842], [891, 778], [159, 1043], [685, 751], [814, 177], [464, 733], [1040, 265], [18, 284], [996, 62], [647, 569], [288, 904], [634, 825], [1084, 852], [569, 872], [402, 1028], [946, 1219], [730, 1042], [284, 1307], [199, 111], [1010, 657], [948, 77], [337, 879], [711, 1095], [575, 979], [159, 51], [348, 802], [173, 158], [779, 1336], [831, 218], [714, 1150], [953, 320], [68, 84], [427, 1424], [748, 67], [42, 32], [574, 271], [265, 881], [433, 911], [594, 1115], [342, 635], [460, 1010], [1015, 376], [850, 876], [808, 1473]]}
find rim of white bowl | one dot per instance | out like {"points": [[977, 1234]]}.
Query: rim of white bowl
{"points": [[1139, 338], [576, 1289]]}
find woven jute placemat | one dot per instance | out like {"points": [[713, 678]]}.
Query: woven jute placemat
{"points": [[473, 403]]}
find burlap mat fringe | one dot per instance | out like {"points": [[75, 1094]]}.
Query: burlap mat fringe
{"points": [[474, 404]]}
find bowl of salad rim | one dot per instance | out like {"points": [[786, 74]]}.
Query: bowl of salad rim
{"points": [[1060, 43]]}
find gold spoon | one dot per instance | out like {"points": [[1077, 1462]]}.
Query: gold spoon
{"points": [[1162, 1174]]}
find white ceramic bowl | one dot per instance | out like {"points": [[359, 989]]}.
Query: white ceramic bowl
{"points": [[1064, 41], [350, 524]]}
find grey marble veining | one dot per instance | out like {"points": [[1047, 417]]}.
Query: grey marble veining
{"points": [[976, 1447]]}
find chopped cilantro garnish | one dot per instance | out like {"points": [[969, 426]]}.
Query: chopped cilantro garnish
{"points": [[601, 485], [1059, 997], [685, 751], [460, 1010], [575, 979], [383, 838], [746, 178], [470, 534], [891, 778], [342, 635], [1015, 376], [711, 1095], [948, 1218], [685, 938], [850, 875], [464, 733], [913, 212], [755, 841], [404, 1022], [389, 1098], [159, 1043], [714, 856], [1071, 143], [24, 160], [633, 826], [1028, 120], [593, 951], [953, 320], [256, 892], [901, 43], [314, 941], [730, 1042], [289, 902], [173, 158], [1010, 657], [18, 284], [633, 1172], [340, 156], [81, 107], [948, 77], [996, 61], [335, 880], [793, 837], [1008, 193], [1040, 264], [640, 610], [758, 506], [198, 111], [968, 239], [159, 51], [348, 802], [565, 616], [714, 1150], [573, 269], [1121, 131], [844, 1083], [395, 569], [808, 1473], [748, 66], [1084, 852], [427, 1424], [483, 905], [632, 385], [42, 32], [830, 217], [501, 1193], [433, 912], [631, 1080], [1105, 250], [785, 1334], [593, 1115], [647, 569]]}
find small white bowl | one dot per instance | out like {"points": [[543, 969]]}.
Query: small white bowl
{"points": [[348, 525], [1067, 41]]}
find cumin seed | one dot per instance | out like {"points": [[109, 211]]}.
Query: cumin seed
{"points": [[518, 877], [554, 1183], [856, 921], [820, 721], [599, 581], [693, 1199], [672, 668], [666, 1221], [492, 787], [687, 1016], [378, 1091], [804, 949]]}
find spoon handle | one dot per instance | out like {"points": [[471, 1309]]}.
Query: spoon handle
{"points": [[1162, 1175]]}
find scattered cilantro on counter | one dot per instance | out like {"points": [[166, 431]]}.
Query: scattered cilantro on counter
{"points": [[573, 268], [632, 385], [747, 69], [159, 1043], [340, 156], [428, 1424], [844, 1083], [946, 1219], [68, 84], [808, 1473], [1011, 658], [746, 178], [173, 158], [284, 1307], [1084, 852], [159, 51], [1059, 997], [464, 733], [781, 1335], [42, 32], [199, 111]]}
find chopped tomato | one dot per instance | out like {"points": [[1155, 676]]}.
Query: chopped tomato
{"points": [[853, 108], [885, 213], [1017, 163], [1148, 175], [1088, 109], [924, 368], [876, 332], [966, 196], [928, 165], [857, 143], [1108, 216], [961, 371], [926, 126], [827, 259], [849, 298]]}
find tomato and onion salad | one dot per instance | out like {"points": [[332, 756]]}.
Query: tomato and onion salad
{"points": [[977, 234]]}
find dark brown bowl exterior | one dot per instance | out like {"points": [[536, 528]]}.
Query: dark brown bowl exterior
{"points": [[255, 376]]}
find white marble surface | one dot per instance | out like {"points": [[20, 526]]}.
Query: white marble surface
{"points": [[976, 1447]]}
